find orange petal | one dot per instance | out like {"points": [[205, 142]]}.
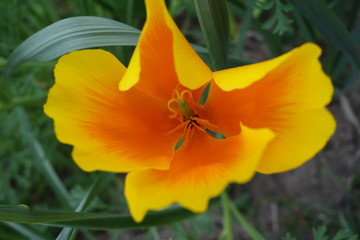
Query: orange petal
{"points": [[200, 170], [163, 57], [289, 100], [110, 130]]}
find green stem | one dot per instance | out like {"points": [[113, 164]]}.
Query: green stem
{"points": [[95, 188], [251, 231], [226, 234], [129, 12], [154, 233], [214, 23]]}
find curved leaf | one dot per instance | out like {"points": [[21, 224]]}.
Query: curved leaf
{"points": [[319, 14], [72, 34]]}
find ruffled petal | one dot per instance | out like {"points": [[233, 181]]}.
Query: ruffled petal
{"points": [[244, 76], [163, 57], [298, 138], [294, 91], [200, 170], [111, 130]]}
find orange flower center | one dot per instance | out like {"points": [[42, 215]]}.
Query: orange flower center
{"points": [[186, 110]]}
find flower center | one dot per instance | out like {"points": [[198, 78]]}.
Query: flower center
{"points": [[185, 109], [182, 105]]}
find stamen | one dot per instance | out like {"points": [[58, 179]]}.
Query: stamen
{"points": [[172, 109], [176, 92], [188, 135], [183, 107], [178, 127], [185, 92], [206, 123]]}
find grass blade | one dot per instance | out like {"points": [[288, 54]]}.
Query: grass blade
{"points": [[227, 233], [95, 189], [251, 231], [25, 231], [246, 23], [72, 34], [99, 221], [90, 220], [41, 160], [320, 15]]}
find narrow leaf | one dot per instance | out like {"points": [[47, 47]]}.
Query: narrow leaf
{"points": [[26, 231], [72, 34], [100, 221], [246, 23], [321, 16], [227, 233], [42, 161], [214, 22], [249, 229], [98, 184], [90, 220]]}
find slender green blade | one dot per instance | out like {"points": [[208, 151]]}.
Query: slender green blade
{"points": [[99, 221], [90, 220], [100, 182], [72, 34], [214, 22], [42, 161], [26, 231], [249, 229], [321, 16], [246, 23]]}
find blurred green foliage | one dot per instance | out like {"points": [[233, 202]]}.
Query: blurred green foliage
{"points": [[275, 22]]}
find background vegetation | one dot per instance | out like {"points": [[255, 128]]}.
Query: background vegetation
{"points": [[320, 200]]}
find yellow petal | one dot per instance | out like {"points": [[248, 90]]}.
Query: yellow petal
{"points": [[200, 170], [290, 100], [111, 130], [244, 76], [163, 57], [297, 140]]}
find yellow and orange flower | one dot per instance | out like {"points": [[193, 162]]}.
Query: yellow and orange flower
{"points": [[272, 116]]}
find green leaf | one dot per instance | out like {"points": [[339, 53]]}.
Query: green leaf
{"points": [[319, 233], [40, 158], [214, 22], [100, 182], [278, 21], [320, 15], [343, 234], [97, 221], [288, 237], [249, 229], [226, 233], [26, 231], [72, 34]]}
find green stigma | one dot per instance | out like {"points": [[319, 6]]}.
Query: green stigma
{"points": [[185, 109]]}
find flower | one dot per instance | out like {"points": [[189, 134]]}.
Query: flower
{"points": [[272, 116]]}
